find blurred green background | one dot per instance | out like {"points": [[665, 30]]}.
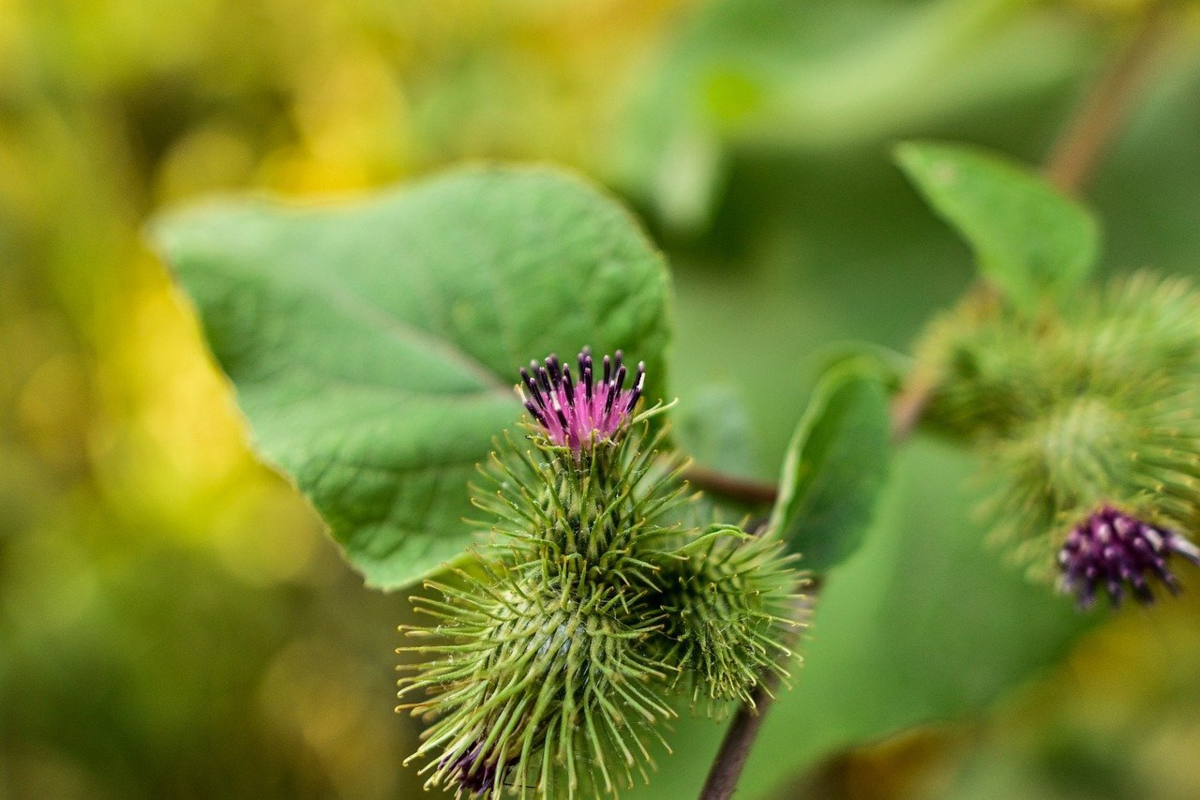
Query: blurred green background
{"points": [[173, 622]]}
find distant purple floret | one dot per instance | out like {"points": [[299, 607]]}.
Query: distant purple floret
{"points": [[579, 413], [472, 774], [1113, 551]]}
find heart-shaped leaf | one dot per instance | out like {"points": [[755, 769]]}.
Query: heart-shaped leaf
{"points": [[374, 345]]}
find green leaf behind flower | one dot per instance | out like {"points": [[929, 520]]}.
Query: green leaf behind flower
{"points": [[774, 77], [1028, 239], [373, 346], [713, 427]]}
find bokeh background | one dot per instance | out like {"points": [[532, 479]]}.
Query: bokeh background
{"points": [[173, 622]]}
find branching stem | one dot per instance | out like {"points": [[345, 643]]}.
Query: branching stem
{"points": [[731, 487], [743, 730], [1084, 140]]}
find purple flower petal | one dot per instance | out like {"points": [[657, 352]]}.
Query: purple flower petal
{"points": [[1115, 552], [580, 414]]}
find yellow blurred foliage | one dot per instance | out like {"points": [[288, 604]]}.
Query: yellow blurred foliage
{"points": [[143, 550]]}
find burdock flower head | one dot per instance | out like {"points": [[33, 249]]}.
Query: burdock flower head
{"points": [[1112, 550], [580, 414], [547, 667], [1086, 414]]}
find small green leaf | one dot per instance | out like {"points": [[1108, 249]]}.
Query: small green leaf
{"points": [[888, 365], [1029, 240], [836, 466], [374, 346]]}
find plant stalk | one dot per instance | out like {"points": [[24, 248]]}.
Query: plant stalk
{"points": [[731, 487], [1091, 130]]}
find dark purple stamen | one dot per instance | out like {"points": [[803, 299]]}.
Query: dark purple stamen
{"points": [[543, 378], [577, 419], [638, 384], [470, 773], [568, 386], [1111, 550]]}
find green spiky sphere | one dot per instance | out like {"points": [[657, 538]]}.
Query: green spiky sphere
{"points": [[1087, 406], [994, 367], [727, 597], [591, 515], [535, 689]]}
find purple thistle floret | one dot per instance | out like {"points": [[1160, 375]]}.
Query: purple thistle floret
{"points": [[471, 773], [577, 415], [1111, 550]]}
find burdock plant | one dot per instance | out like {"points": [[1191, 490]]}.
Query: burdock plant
{"points": [[372, 347], [549, 665]]}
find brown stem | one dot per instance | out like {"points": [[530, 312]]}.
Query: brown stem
{"points": [[743, 730], [735, 747], [1082, 144], [1071, 162], [731, 487], [909, 403]]}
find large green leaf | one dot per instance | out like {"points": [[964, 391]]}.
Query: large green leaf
{"points": [[1029, 240], [374, 345], [835, 466]]}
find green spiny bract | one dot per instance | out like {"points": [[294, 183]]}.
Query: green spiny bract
{"points": [[542, 691], [728, 596], [994, 367], [550, 661], [1085, 410], [593, 515]]}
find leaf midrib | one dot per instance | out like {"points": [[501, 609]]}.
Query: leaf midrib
{"points": [[408, 334]]}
